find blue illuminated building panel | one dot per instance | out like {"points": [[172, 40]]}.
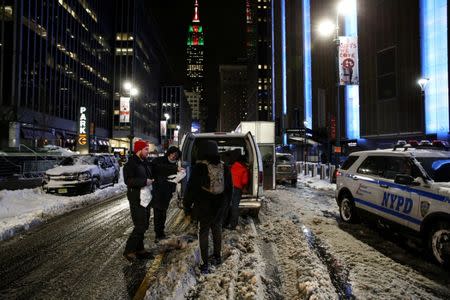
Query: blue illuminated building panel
{"points": [[307, 89], [352, 91], [434, 58], [283, 64]]}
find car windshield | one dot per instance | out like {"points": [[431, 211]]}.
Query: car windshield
{"points": [[437, 167], [286, 158], [78, 160]]}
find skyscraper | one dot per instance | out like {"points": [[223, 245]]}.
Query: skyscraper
{"points": [[233, 96], [194, 66], [259, 59]]}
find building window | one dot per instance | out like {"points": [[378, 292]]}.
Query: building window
{"points": [[124, 36], [124, 51], [386, 74], [6, 13]]}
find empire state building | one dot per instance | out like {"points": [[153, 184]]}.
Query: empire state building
{"points": [[194, 66]]}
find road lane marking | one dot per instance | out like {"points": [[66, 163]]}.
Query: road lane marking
{"points": [[149, 278]]}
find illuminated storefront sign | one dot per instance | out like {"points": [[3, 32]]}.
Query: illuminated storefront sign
{"points": [[83, 131]]}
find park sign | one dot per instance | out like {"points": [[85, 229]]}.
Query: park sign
{"points": [[83, 131]]}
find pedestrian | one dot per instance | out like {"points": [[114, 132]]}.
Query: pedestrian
{"points": [[163, 189], [137, 175], [240, 176], [208, 193]]}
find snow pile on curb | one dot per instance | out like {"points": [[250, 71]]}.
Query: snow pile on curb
{"points": [[238, 277], [317, 183], [302, 274], [21, 210], [179, 276]]}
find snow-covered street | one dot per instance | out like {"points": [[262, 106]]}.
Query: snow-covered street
{"points": [[297, 249]]}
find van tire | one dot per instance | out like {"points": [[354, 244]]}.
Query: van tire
{"points": [[254, 213], [347, 209], [438, 235], [294, 182]]}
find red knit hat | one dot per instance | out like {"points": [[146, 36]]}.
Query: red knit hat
{"points": [[139, 145]]}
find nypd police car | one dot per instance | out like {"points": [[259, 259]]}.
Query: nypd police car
{"points": [[402, 189]]}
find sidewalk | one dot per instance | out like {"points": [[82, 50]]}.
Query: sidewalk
{"points": [[21, 210]]}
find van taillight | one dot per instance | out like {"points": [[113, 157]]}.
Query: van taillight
{"points": [[260, 178]]}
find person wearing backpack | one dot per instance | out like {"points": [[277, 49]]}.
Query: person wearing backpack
{"points": [[240, 175], [208, 193]]}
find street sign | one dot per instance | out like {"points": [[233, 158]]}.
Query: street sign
{"points": [[83, 131]]}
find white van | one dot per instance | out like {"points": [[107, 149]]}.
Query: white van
{"points": [[228, 142]]}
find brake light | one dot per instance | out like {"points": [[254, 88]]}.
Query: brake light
{"points": [[260, 178], [338, 173]]}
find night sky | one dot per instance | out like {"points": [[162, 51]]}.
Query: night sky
{"points": [[224, 31]]}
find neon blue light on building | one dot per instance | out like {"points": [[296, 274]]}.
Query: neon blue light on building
{"points": [[307, 89], [352, 91], [434, 59], [273, 64], [283, 65]]}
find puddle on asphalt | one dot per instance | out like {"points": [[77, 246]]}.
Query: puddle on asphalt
{"points": [[338, 273]]}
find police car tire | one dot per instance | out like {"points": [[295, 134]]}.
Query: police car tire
{"points": [[435, 232], [347, 209]]}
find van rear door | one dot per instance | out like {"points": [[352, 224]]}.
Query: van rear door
{"points": [[256, 168], [186, 155]]}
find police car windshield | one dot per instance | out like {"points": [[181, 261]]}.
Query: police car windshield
{"points": [[437, 167]]}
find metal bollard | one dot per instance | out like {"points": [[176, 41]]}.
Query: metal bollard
{"points": [[330, 173], [314, 170]]}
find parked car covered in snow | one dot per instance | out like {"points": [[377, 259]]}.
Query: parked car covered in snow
{"points": [[80, 174], [285, 169]]}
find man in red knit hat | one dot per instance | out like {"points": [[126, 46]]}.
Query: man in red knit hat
{"points": [[137, 174]]}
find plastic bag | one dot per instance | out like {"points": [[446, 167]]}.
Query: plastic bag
{"points": [[146, 195]]}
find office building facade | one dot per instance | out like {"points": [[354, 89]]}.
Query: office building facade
{"points": [[233, 105], [55, 58], [195, 63], [176, 113]]}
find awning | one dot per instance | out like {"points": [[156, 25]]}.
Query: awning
{"points": [[31, 134], [301, 140]]}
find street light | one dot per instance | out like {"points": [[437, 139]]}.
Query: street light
{"points": [[166, 132], [133, 91], [422, 82], [326, 28], [305, 124]]}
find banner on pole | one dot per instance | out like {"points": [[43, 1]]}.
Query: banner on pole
{"points": [[348, 60], [163, 127], [124, 113]]}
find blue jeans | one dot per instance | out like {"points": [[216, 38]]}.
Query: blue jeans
{"points": [[235, 200]]}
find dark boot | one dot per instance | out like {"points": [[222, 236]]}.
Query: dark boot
{"points": [[144, 254]]}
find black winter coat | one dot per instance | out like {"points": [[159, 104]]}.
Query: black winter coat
{"points": [[162, 189], [135, 175], [204, 206]]}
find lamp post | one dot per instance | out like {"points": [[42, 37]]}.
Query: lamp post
{"points": [[305, 144], [422, 82], [327, 28], [167, 117], [133, 92]]}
